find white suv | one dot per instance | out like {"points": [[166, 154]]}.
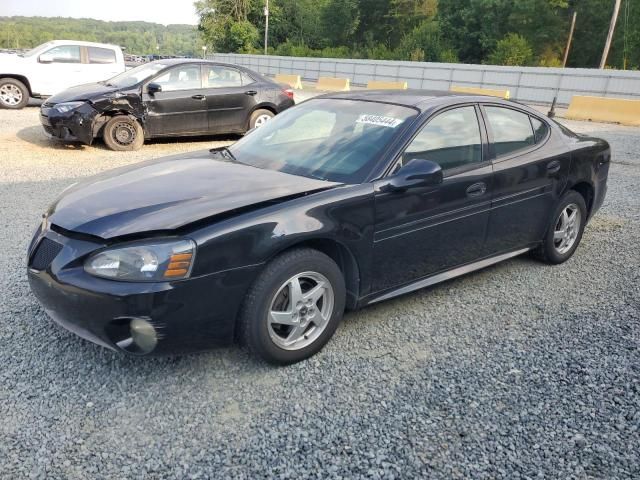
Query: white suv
{"points": [[55, 66]]}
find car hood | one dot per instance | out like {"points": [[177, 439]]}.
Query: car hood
{"points": [[170, 193], [88, 91]]}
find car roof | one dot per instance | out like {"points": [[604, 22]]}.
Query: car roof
{"points": [[82, 43], [421, 99]]}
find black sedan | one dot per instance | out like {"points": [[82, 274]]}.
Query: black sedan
{"points": [[340, 202], [167, 98]]}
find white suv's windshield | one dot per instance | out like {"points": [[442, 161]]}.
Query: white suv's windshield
{"points": [[37, 50], [331, 139], [135, 75]]}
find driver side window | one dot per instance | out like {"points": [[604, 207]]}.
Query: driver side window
{"points": [[63, 54], [451, 139], [184, 77]]}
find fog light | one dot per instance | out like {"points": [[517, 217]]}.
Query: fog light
{"points": [[143, 334]]}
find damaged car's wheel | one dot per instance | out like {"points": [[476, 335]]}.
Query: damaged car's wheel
{"points": [[123, 133]]}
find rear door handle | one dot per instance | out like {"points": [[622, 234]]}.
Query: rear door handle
{"points": [[251, 92], [476, 189], [554, 167], [198, 97]]}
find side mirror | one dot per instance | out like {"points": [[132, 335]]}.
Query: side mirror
{"points": [[154, 88], [415, 174], [45, 58]]}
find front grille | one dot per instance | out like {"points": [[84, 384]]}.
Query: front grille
{"points": [[45, 252]]}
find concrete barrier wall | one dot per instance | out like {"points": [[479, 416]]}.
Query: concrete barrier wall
{"points": [[535, 85]]}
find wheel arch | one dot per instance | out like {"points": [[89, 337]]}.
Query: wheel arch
{"points": [[587, 191], [20, 78], [343, 257]]}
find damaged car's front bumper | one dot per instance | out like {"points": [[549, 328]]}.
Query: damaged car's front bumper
{"points": [[77, 124]]}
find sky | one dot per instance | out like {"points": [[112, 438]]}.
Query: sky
{"points": [[156, 11]]}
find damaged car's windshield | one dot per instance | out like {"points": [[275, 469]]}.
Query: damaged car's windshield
{"points": [[330, 139], [135, 75]]}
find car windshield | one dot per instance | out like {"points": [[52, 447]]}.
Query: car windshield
{"points": [[36, 50], [331, 139], [135, 75]]}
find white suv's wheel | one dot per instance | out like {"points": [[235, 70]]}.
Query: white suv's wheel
{"points": [[13, 93]]}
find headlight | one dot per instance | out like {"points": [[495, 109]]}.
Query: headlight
{"points": [[67, 106], [162, 260]]}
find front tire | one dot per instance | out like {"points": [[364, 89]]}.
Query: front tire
{"points": [[565, 229], [123, 133], [14, 94], [294, 307]]}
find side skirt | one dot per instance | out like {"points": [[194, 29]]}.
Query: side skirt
{"points": [[449, 274]]}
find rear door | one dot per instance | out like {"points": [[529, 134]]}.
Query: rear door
{"points": [[421, 232], [530, 170], [101, 64], [181, 107], [231, 95]]}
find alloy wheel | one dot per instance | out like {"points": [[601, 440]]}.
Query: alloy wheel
{"points": [[261, 120], [10, 94], [300, 310], [567, 228]]}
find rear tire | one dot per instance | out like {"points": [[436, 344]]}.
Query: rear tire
{"points": [[294, 307], [122, 133], [14, 94], [565, 229], [259, 118]]}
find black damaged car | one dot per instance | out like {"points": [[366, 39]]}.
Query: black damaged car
{"points": [[166, 98], [340, 202]]}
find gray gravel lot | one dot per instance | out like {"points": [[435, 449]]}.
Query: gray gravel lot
{"points": [[522, 370]]}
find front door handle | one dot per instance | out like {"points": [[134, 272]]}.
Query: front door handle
{"points": [[198, 97], [251, 92], [553, 167], [476, 189]]}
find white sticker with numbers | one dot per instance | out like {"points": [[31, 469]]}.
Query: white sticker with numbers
{"points": [[379, 120]]}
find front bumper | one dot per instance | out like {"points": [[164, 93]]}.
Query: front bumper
{"points": [[76, 125], [189, 315]]}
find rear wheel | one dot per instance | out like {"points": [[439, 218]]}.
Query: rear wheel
{"points": [[294, 307], [123, 133], [565, 230], [259, 118], [13, 94]]}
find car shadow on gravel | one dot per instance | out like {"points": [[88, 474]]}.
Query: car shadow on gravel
{"points": [[36, 135]]}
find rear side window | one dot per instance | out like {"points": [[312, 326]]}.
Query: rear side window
{"points": [[247, 79], [452, 139], [540, 129], [101, 55], [511, 130], [217, 76]]}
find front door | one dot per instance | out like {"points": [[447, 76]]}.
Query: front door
{"points": [[230, 98], [421, 232], [57, 69], [527, 179], [181, 107]]}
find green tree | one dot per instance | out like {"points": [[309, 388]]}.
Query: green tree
{"points": [[512, 50], [340, 20]]}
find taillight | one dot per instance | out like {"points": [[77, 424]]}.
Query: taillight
{"points": [[288, 92]]}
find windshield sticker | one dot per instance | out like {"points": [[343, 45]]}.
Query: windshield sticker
{"points": [[379, 120]]}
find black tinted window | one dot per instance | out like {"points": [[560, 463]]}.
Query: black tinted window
{"points": [[540, 129], [101, 55], [452, 139], [511, 129]]}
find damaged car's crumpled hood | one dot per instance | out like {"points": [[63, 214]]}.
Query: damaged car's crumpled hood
{"points": [[88, 91], [169, 193]]}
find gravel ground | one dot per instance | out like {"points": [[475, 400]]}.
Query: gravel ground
{"points": [[519, 371]]}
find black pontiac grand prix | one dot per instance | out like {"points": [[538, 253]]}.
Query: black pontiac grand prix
{"points": [[340, 202]]}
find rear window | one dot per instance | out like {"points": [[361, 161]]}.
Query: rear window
{"points": [[101, 55]]}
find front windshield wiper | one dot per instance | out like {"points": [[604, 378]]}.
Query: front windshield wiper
{"points": [[225, 151]]}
